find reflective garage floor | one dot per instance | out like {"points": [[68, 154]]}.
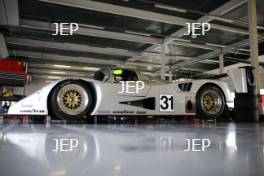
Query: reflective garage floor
{"points": [[131, 150]]}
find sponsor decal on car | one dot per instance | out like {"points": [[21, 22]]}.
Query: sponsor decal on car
{"points": [[32, 111], [124, 112]]}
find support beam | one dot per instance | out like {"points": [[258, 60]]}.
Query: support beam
{"points": [[55, 57], [252, 18], [9, 14], [170, 76], [121, 10], [201, 70], [85, 60], [53, 68], [145, 64], [89, 31], [70, 47], [227, 7], [221, 63], [3, 49], [194, 45], [53, 71], [212, 54], [163, 62], [136, 13]]}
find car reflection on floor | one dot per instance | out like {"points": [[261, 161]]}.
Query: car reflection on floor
{"points": [[131, 150]]}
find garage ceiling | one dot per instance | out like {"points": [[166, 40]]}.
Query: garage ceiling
{"points": [[127, 33]]}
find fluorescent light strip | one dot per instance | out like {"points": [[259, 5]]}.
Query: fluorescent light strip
{"points": [[221, 19], [170, 8], [57, 72], [137, 33], [91, 26], [54, 77], [146, 73], [215, 45], [208, 61], [247, 50], [91, 68], [62, 66]]}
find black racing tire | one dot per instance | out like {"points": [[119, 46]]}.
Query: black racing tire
{"points": [[246, 102], [243, 95], [210, 102], [71, 100], [245, 115]]}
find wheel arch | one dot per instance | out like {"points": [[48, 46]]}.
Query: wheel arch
{"points": [[212, 84]]}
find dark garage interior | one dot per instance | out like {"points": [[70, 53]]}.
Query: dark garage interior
{"points": [[131, 87]]}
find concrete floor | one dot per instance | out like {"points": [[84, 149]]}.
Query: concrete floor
{"points": [[131, 150]]}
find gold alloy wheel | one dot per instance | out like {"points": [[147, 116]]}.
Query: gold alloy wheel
{"points": [[72, 99], [211, 101], [208, 102]]}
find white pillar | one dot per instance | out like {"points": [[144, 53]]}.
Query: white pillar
{"points": [[170, 76], [252, 18], [221, 64], [162, 71]]}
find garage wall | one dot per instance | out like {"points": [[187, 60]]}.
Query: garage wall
{"points": [[34, 87], [29, 89]]}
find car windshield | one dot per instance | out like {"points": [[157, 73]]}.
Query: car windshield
{"points": [[124, 75], [99, 76]]}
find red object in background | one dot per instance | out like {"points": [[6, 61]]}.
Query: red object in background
{"points": [[262, 101], [12, 66], [262, 105], [13, 73]]}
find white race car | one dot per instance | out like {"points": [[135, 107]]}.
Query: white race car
{"points": [[123, 92]]}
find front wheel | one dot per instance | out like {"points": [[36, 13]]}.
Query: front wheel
{"points": [[71, 100], [210, 102]]}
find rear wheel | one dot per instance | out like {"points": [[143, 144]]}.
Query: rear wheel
{"points": [[71, 100], [210, 102]]}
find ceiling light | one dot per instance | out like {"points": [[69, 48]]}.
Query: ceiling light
{"points": [[221, 19], [62, 66], [207, 61], [247, 50], [91, 26], [91, 68], [137, 33], [149, 67], [54, 77], [57, 72], [215, 45], [146, 73], [170, 8]]}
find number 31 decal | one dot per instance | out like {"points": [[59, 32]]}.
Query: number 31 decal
{"points": [[166, 103]]}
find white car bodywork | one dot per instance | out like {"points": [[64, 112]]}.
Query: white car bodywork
{"points": [[108, 100]]}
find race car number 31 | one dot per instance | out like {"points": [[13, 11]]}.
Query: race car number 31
{"points": [[166, 103]]}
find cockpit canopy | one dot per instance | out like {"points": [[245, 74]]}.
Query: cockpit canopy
{"points": [[115, 75]]}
